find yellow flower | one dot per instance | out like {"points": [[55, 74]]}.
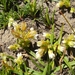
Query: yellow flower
{"points": [[40, 43], [19, 59], [11, 20], [4, 57], [30, 34], [60, 4], [47, 35], [43, 43], [15, 25], [64, 41], [61, 48], [23, 26], [72, 10], [51, 54], [33, 33], [14, 47], [71, 37], [40, 52], [65, 3], [71, 43]]}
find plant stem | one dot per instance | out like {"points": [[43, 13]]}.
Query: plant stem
{"points": [[67, 21]]}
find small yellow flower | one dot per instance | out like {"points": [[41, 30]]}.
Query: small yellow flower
{"points": [[40, 43], [51, 54], [11, 20], [65, 3], [30, 34], [4, 57], [61, 48], [60, 4], [23, 26], [71, 37], [14, 47], [72, 10], [71, 43], [15, 25], [47, 35], [40, 52], [43, 43], [64, 41], [19, 59], [33, 33]]}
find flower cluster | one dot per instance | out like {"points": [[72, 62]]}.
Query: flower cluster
{"points": [[45, 46], [69, 41], [18, 60], [23, 35]]}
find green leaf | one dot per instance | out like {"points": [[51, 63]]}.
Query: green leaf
{"points": [[47, 17], [45, 70], [26, 71], [39, 67], [53, 17], [60, 36], [52, 35], [32, 53], [67, 62], [33, 72]]}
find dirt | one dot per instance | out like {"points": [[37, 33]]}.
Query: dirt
{"points": [[6, 38]]}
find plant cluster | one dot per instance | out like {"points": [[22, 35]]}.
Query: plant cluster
{"points": [[17, 10], [51, 53], [56, 49], [22, 34]]}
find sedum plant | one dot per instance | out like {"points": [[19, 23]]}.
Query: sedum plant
{"points": [[23, 35]]}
